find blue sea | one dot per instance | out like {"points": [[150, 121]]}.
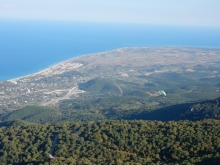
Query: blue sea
{"points": [[29, 46]]}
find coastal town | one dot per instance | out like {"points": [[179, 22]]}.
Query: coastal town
{"points": [[45, 87]]}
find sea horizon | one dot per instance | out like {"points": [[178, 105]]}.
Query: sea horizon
{"points": [[28, 47]]}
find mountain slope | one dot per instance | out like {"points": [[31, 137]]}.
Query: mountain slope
{"points": [[191, 111], [203, 110]]}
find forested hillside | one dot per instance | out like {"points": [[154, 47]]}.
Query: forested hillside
{"points": [[112, 142], [115, 108], [204, 110]]}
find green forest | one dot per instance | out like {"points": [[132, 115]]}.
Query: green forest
{"points": [[115, 108], [111, 142]]}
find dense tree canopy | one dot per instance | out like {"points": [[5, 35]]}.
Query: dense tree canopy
{"points": [[112, 142]]}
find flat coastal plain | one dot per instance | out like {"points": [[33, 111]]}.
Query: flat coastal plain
{"points": [[135, 65]]}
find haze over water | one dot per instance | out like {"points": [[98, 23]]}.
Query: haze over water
{"points": [[29, 46]]}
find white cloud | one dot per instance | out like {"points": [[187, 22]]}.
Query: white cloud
{"points": [[8, 6]]}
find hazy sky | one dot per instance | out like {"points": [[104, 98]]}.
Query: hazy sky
{"points": [[180, 12]]}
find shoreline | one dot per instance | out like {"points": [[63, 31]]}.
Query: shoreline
{"points": [[13, 80], [39, 72], [43, 70]]}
